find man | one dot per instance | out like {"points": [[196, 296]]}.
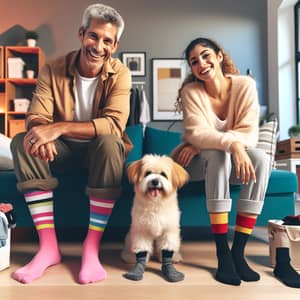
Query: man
{"points": [[78, 114]]}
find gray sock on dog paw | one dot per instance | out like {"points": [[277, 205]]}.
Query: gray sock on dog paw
{"points": [[168, 269], [137, 272]]}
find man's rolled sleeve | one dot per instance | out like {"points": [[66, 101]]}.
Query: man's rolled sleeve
{"points": [[41, 106]]}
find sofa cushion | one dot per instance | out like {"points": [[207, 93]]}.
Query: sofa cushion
{"points": [[164, 142], [160, 141], [135, 134], [282, 181]]}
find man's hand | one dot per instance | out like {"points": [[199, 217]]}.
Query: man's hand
{"points": [[243, 165], [39, 141], [46, 152], [41, 135], [186, 154]]}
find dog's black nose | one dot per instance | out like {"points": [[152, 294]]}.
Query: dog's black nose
{"points": [[154, 182]]}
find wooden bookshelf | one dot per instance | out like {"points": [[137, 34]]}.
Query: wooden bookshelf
{"points": [[12, 122]]}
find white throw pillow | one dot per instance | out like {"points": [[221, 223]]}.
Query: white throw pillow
{"points": [[268, 138], [6, 162]]}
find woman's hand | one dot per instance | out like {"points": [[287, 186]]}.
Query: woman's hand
{"points": [[186, 154], [243, 165]]}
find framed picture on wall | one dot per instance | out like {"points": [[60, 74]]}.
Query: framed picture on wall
{"points": [[135, 61], [167, 77]]}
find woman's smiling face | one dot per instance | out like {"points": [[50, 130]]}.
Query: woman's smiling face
{"points": [[204, 62]]}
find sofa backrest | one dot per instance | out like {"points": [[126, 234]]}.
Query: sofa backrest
{"points": [[155, 141], [135, 134], [160, 141]]}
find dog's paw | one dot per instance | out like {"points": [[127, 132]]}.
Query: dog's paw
{"points": [[133, 276], [171, 274], [137, 272]]}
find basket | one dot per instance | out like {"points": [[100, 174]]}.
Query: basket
{"points": [[284, 236]]}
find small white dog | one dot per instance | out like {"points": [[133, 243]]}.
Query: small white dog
{"points": [[155, 214]]}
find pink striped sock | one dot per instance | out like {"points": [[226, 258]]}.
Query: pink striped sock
{"points": [[91, 268], [41, 208]]}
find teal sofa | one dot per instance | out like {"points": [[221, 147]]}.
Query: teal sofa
{"points": [[71, 205]]}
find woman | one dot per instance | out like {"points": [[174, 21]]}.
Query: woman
{"points": [[221, 116]]}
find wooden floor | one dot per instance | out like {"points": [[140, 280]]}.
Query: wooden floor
{"points": [[199, 265]]}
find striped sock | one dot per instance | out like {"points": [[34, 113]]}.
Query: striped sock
{"points": [[245, 224], [91, 268], [219, 222], [40, 205], [100, 211], [243, 229]]}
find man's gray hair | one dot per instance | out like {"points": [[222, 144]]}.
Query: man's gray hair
{"points": [[103, 13]]}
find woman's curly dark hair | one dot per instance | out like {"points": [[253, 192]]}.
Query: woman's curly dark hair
{"points": [[227, 64]]}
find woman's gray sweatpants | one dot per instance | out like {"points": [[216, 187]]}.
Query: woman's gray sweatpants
{"points": [[217, 169]]}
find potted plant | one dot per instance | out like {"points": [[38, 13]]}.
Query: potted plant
{"points": [[29, 69], [31, 38], [294, 131]]}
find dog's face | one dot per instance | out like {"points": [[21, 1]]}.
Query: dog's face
{"points": [[156, 176]]}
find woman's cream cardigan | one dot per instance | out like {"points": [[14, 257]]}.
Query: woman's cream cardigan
{"points": [[242, 118]]}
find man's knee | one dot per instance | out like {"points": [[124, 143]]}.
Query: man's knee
{"points": [[17, 142], [108, 145]]}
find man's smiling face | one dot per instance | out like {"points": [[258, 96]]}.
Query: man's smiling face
{"points": [[98, 43]]}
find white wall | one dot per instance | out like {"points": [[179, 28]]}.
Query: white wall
{"points": [[162, 28], [286, 67]]}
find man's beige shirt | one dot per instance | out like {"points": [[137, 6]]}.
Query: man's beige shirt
{"points": [[54, 97]]}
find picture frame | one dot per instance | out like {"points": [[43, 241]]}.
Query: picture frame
{"points": [[136, 62], [167, 77]]}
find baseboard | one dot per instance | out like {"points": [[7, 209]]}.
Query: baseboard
{"points": [[117, 234], [28, 234]]}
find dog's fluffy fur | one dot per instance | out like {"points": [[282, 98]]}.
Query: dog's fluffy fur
{"points": [[155, 212]]}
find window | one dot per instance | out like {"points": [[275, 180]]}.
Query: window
{"points": [[297, 56]]}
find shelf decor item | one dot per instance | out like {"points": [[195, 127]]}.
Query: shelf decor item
{"points": [[21, 105], [15, 67], [288, 149], [31, 38], [29, 69], [30, 73]]}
